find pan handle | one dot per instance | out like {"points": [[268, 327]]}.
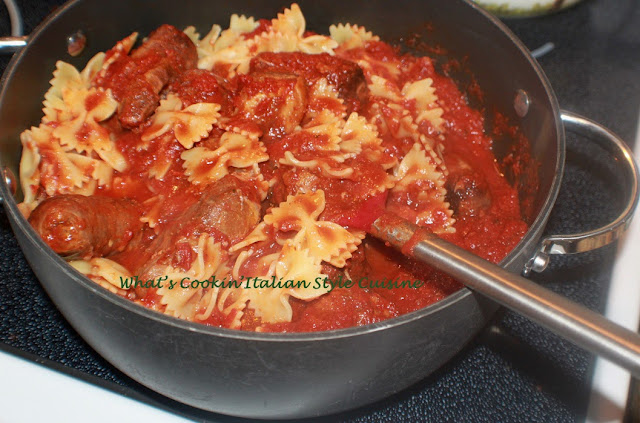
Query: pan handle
{"points": [[590, 240], [9, 45]]}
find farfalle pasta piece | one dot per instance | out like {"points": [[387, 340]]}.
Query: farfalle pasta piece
{"points": [[231, 47], [351, 36], [329, 143], [306, 243], [296, 221], [77, 109], [65, 77], [61, 175], [273, 41], [419, 178], [93, 67], [100, 171], [287, 34], [245, 128], [80, 129], [55, 170], [323, 96], [316, 44], [359, 137], [417, 166], [30, 163], [253, 175], [423, 92], [321, 138], [242, 24], [203, 165], [326, 168], [290, 21], [406, 128], [184, 302], [384, 88], [234, 49], [371, 63], [296, 267], [299, 265], [193, 35], [152, 210], [205, 46], [215, 298], [357, 134], [324, 240], [189, 125], [392, 118], [325, 128], [227, 47], [106, 273]]}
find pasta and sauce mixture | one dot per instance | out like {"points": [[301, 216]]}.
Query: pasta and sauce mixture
{"points": [[262, 152]]}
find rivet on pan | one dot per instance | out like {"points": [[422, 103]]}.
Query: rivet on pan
{"points": [[537, 264], [76, 43], [521, 103], [10, 180]]}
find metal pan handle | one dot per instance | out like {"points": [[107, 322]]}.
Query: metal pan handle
{"points": [[9, 45], [590, 240]]}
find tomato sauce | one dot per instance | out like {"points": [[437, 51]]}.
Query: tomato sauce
{"points": [[491, 233], [384, 283]]}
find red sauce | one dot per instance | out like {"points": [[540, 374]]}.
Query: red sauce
{"points": [[201, 86], [354, 201], [491, 234]]}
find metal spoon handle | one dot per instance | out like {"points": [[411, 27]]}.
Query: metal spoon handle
{"points": [[571, 321]]}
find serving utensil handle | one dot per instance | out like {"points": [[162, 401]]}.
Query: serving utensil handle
{"points": [[596, 238], [562, 316]]}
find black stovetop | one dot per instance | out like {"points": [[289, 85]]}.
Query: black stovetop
{"points": [[514, 371]]}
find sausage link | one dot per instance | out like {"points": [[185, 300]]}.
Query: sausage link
{"points": [[78, 226], [226, 207], [138, 79], [345, 75]]}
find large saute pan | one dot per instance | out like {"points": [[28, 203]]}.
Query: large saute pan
{"points": [[295, 375]]}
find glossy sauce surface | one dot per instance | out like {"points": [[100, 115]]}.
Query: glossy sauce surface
{"points": [[367, 290]]}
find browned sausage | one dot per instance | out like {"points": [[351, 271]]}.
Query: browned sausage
{"points": [[173, 52], [137, 80], [201, 86], [78, 226], [275, 100], [345, 75], [227, 208]]}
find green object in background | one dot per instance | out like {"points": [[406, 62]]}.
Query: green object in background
{"points": [[524, 8]]}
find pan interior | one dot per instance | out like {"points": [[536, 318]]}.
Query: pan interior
{"points": [[499, 63]]}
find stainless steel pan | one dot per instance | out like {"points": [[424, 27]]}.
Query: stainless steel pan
{"points": [[295, 375]]}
